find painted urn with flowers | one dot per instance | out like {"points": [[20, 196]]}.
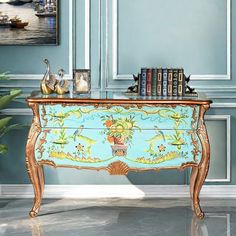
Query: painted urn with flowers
{"points": [[119, 133]]}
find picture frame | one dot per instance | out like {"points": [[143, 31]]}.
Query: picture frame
{"points": [[29, 23], [81, 81]]}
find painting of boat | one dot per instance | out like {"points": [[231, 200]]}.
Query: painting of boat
{"points": [[17, 23], [18, 2], [46, 14], [49, 9], [4, 20], [29, 22]]}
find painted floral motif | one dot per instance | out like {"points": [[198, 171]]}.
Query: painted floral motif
{"points": [[82, 151], [75, 158], [119, 133], [160, 159], [177, 117], [117, 126], [165, 116], [161, 148], [158, 151]]}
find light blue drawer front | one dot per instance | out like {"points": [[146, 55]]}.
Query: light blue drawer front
{"points": [[145, 117], [100, 147]]}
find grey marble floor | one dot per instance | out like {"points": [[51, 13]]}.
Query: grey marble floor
{"points": [[116, 217]]}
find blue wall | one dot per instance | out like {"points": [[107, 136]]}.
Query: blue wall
{"points": [[190, 34]]}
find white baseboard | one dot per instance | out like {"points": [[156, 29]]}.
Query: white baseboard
{"points": [[117, 191]]}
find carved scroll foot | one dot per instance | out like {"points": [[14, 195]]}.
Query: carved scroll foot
{"points": [[193, 177], [196, 208], [201, 176], [196, 205], [33, 214], [198, 211], [37, 179]]}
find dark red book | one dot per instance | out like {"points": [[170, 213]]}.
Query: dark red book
{"points": [[149, 82]]}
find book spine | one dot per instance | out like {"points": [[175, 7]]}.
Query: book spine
{"points": [[139, 83], [149, 82], [184, 83], [143, 82], [159, 82], [181, 83], [175, 83], [170, 83], [164, 82], [154, 82]]}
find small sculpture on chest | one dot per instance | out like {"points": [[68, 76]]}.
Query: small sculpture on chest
{"points": [[49, 84]]}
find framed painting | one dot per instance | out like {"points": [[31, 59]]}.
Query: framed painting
{"points": [[29, 22]]}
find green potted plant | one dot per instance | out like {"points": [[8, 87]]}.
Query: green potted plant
{"points": [[5, 99]]}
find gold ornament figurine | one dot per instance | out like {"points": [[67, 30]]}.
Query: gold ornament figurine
{"points": [[49, 84], [62, 86]]}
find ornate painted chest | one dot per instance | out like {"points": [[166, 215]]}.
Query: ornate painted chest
{"points": [[108, 131]]}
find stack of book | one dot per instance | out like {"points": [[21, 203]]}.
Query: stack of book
{"points": [[162, 82]]}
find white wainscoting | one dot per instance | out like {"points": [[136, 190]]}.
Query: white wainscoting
{"points": [[117, 191], [227, 119]]}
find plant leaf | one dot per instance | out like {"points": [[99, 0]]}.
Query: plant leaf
{"points": [[3, 149], [4, 76], [4, 122], [5, 100], [9, 128]]}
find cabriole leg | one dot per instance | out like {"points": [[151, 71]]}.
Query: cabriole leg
{"points": [[193, 177], [36, 176], [35, 171], [201, 172]]}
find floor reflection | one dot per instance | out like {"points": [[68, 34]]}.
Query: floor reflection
{"points": [[116, 218], [210, 225]]}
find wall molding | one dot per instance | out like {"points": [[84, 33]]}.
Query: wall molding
{"points": [[87, 34], [224, 105], [226, 118], [114, 52], [17, 112], [117, 191]]}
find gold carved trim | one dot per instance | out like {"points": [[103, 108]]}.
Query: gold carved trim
{"points": [[117, 101], [124, 105], [118, 167], [43, 140], [44, 117], [202, 133]]}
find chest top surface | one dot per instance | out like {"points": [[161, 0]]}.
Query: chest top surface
{"points": [[115, 97]]}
